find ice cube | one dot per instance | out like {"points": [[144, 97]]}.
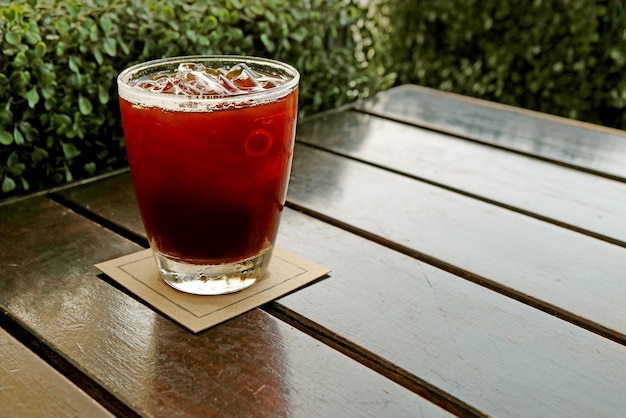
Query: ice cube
{"points": [[243, 77], [159, 84], [195, 79], [268, 84], [227, 84], [198, 80]]}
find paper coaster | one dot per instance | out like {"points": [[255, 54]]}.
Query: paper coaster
{"points": [[138, 273]]}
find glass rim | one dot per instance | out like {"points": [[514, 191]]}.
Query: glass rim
{"points": [[203, 102]]}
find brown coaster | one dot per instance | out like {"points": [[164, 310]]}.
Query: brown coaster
{"points": [[138, 273]]}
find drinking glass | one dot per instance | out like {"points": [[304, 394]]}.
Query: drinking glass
{"points": [[210, 141]]}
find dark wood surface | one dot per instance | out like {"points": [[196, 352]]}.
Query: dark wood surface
{"points": [[254, 365], [27, 382], [467, 279], [583, 146], [575, 199]]}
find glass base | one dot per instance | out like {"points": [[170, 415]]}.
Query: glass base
{"points": [[215, 279]]}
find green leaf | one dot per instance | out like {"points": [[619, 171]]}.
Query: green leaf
{"points": [[10, 13], [60, 49], [299, 34], [28, 131], [97, 54], [69, 150], [77, 127], [68, 174], [20, 60], [6, 116], [125, 47], [13, 38], [167, 13], [40, 49], [268, 43], [84, 105], [62, 120], [106, 24], [19, 79], [103, 94], [285, 44], [18, 137], [50, 103], [191, 35], [203, 41], [110, 46], [103, 154], [38, 154], [32, 97], [25, 184], [73, 64], [6, 138], [93, 33], [90, 168], [210, 23], [14, 166], [75, 81], [63, 26], [47, 92], [8, 184], [32, 37]]}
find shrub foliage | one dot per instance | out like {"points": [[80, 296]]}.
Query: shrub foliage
{"points": [[59, 114], [564, 57]]}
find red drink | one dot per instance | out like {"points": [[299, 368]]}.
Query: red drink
{"points": [[211, 185], [211, 180]]}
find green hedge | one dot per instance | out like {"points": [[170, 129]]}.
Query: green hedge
{"points": [[59, 115], [564, 57]]}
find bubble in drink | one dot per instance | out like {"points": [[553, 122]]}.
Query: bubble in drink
{"points": [[194, 79]]}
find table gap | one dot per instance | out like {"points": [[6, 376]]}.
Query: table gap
{"points": [[548, 308], [374, 362], [100, 220], [344, 346], [471, 195], [43, 350], [435, 128], [543, 306]]}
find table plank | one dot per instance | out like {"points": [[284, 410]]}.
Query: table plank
{"points": [[501, 356], [562, 195], [538, 262], [436, 327], [597, 149], [30, 387], [113, 204], [253, 365]]}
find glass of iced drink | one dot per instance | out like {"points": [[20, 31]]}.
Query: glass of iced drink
{"points": [[210, 143]]}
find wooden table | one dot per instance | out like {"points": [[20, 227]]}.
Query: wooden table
{"points": [[478, 268]]}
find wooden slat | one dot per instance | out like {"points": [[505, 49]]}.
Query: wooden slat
{"points": [[587, 146], [31, 388], [533, 259], [114, 204], [563, 195], [254, 365], [498, 355]]}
